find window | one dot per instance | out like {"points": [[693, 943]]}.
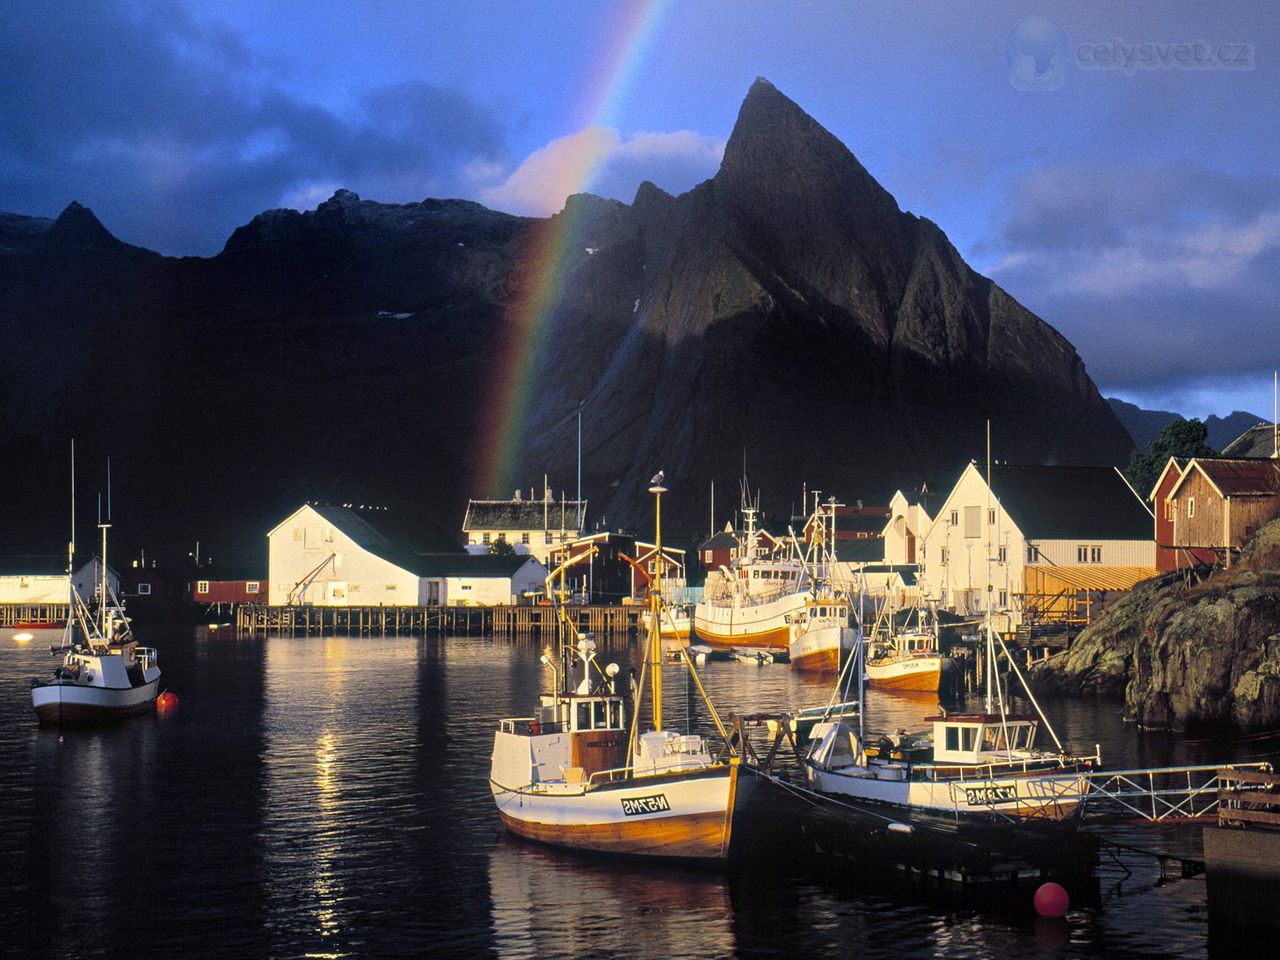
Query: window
{"points": [[1095, 554], [1082, 554], [466, 586], [390, 587], [1032, 553], [144, 589], [1004, 599], [1191, 506], [1170, 509], [945, 555], [1002, 555], [311, 539], [502, 536], [328, 534], [706, 556], [202, 586], [1086, 553], [549, 537], [486, 537], [524, 538], [973, 521], [252, 586], [955, 518], [991, 517]]}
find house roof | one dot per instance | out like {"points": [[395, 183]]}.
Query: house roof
{"points": [[1257, 442], [1173, 463], [469, 564], [1069, 503], [1237, 478], [724, 540], [396, 538], [33, 565], [865, 550], [522, 514], [907, 571]]}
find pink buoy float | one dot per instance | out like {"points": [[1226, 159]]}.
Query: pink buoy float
{"points": [[1052, 900]]}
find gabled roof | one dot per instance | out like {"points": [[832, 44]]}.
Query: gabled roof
{"points": [[397, 539], [523, 514], [1236, 478], [724, 540], [907, 571], [1070, 503], [1257, 442], [1173, 463]]}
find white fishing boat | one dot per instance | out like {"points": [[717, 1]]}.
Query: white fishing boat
{"points": [[909, 660], [980, 764], [674, 624], [104, 674], [752, 603], [822, 633], [580, 773]]}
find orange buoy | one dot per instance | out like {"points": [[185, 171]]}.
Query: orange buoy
{"points": [[1052, 900], [166, 701]]}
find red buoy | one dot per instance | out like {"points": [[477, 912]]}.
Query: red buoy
{"points": [[166, 701], [1052, 900]]}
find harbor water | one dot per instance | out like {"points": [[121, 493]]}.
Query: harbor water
{"points": [[328, 797]]}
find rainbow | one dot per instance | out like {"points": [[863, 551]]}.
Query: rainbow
{"points": [[540, 266]]}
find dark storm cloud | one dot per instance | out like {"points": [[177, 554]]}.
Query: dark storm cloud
{"points": [[175, 131], [1169, 276]]}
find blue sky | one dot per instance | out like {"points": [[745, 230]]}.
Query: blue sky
{"points": [[1137, 210]]}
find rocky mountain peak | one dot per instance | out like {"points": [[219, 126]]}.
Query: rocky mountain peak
{"points": [[77, 225]]}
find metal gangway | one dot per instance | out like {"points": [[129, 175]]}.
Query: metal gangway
{"points": [[1166, 794]]}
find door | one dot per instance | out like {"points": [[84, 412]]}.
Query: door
{"points": [[337, 592]]}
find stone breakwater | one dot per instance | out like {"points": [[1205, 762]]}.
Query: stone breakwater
{"points": [[1188, 655]]}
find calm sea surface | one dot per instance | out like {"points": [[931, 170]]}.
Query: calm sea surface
{"points": [[328, 798]]}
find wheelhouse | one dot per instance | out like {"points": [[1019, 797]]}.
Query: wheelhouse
{"points": [[982, 738]]}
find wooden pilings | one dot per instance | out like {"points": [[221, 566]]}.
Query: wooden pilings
{"points": [[261, 620], [53, 614]]}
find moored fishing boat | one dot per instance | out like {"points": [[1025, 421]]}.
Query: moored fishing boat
{"points": [[822, 634], [104, 674], [581, 774], [981, 764], [751, 604], [909, 661]]}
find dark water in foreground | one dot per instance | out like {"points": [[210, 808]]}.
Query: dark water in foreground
{"points": [[328, 798]]}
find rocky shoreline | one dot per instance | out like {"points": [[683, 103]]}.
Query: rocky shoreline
{"points": [[1187, 655]]}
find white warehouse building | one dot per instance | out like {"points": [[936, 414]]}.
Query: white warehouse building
{"points": [[322, 555]]}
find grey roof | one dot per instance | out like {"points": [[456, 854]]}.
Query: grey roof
{"points": [[1070, 503], [33, 565], [1256, 442], [396, 539], [724, 540], [907, 571], [860, 550], [469, 564], [522, 514]]}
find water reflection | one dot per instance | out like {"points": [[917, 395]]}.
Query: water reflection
{"points": [[550, 904]]}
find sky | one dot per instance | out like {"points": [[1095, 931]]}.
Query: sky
{"points": [[1112, 165]]}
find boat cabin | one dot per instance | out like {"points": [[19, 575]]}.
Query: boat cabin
{"points": [[980, 738]]}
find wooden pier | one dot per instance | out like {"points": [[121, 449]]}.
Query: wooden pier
{"points": [[52, 614], [522, 620]]}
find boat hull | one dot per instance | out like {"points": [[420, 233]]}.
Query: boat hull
{"points": [[1045, 795], [920, 673], [756, 626], [821, 650], [78, 703], [687, 817]]}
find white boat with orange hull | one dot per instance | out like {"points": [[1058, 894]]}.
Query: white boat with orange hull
{"points": [[580, 774], [909, 661]]}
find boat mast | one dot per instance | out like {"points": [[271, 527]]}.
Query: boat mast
{"points": [[991, 647], [655, 603]]}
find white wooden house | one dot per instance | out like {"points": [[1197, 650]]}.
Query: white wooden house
{"points": [[534, 527], [1041, 543], [906, 525], [43, 579], [324, 555]]}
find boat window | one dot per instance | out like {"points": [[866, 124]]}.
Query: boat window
{"points": [[600, 715], [953, 738], [584, 717]]}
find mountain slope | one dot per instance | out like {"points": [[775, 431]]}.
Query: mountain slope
{"points": [[785, 310]]}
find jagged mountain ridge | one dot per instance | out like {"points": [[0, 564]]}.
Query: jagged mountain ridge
{"points": [[786, 307]]}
